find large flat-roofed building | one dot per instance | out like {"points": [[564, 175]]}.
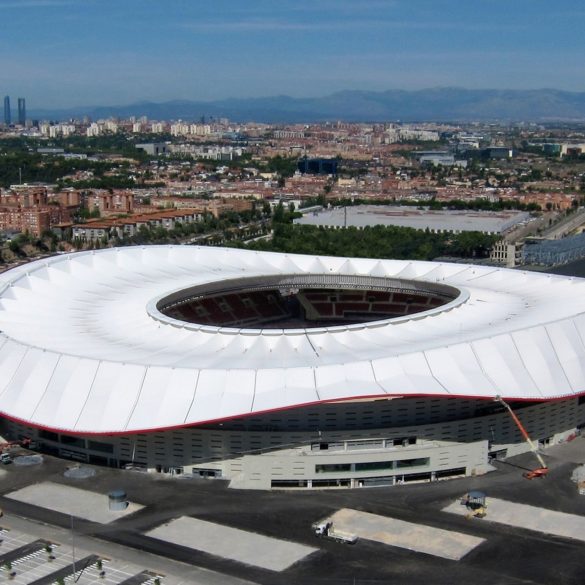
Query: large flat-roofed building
{"points": [[287, 371], [442, 220], [154, 148]]}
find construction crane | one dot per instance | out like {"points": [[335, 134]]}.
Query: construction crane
{"points": [[539, 471]]}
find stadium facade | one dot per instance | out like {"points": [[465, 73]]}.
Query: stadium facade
{"points": [[275, 370]]}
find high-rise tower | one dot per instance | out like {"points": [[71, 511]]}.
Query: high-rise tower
{"points": [[7, 116], [21, 111]]}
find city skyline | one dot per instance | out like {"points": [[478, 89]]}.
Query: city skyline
{"points": [[106, 53]]}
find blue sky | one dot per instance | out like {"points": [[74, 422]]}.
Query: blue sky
{"points": [[60, 53]]}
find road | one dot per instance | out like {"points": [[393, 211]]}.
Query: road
{"points": [[566, 226]]}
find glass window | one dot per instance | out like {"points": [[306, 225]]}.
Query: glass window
{"points": [[374, 465], [50, 436], [332, 468], [412, 462], [69, 440], [103, 447]]}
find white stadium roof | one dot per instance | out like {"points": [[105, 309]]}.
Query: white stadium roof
{"points": [[84, 349]]}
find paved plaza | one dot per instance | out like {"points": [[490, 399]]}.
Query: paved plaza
{"points": [[72, 501], [416, 537], [231, 543], [529, 517]]}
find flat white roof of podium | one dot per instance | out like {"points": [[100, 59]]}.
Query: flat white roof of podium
{"points": [[82, 348]]}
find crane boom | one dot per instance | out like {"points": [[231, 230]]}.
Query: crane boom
{"points": [[543, 469]]}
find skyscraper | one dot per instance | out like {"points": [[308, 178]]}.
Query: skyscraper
{"points": [[21, 111], [7, 117]]}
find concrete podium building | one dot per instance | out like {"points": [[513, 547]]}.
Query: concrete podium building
{"points": [[275, 370]]}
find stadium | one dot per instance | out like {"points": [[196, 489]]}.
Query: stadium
{"points": [[287, 371]]}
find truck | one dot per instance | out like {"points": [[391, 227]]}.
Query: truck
{"points": [[325, 529]]}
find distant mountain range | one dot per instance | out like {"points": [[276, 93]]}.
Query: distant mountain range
{"points": [[440, 105]]}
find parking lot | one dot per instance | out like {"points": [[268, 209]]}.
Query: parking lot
{"points": [[132, 544], [26, 560]]}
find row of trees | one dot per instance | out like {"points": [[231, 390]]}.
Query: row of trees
{"points": [[118, 143], [375, 242], [32, 167], [26, 244], [108, 182], [222, 226]]}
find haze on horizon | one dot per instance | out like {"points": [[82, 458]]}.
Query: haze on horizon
{"points": [[66, 53]]}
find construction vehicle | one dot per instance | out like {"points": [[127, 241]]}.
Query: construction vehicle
{"points": [[475, 503], [7, 445], [541, 471], [4, 445], [325, 529]]}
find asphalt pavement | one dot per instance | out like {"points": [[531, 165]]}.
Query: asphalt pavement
{"points": [[509, 555]]}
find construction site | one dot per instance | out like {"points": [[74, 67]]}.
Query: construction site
{"points": [[59, 526]]}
